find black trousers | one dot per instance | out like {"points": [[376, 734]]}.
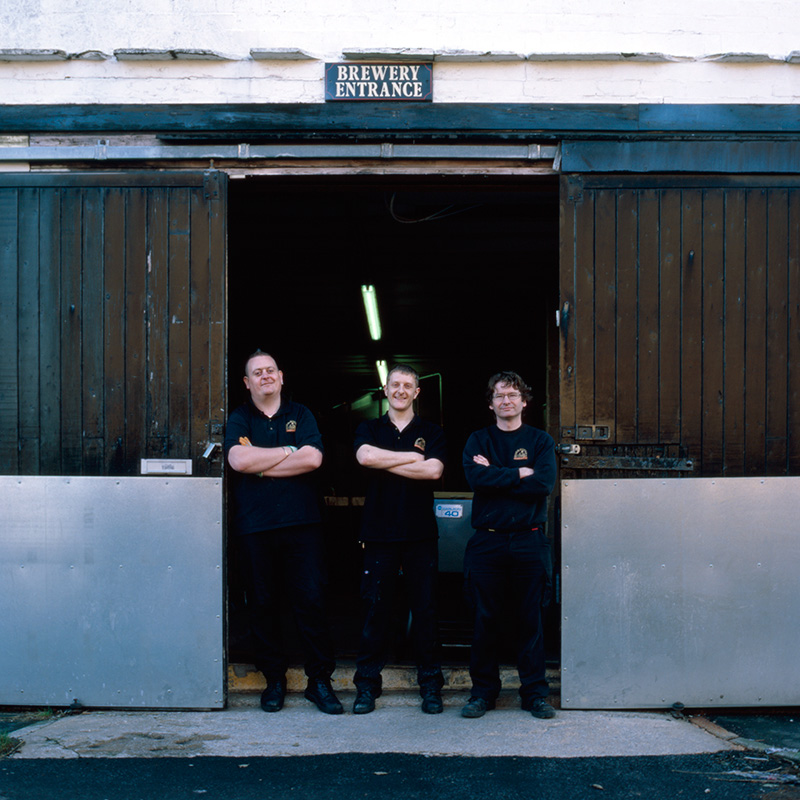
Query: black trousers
{"points": [[499, 567], [383, 561], [284, 568]]}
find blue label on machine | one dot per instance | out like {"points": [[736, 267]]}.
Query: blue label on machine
{"points": [[451, 510]]}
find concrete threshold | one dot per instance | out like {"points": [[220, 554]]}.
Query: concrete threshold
{"points": [[245, 678], [242, 730], [396, 726]]}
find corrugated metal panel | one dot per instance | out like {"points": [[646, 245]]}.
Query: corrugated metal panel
{"points": [[113, 294]]}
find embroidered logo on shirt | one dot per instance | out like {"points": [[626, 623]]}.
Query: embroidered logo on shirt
{"points": [[521, 454], [420, 444], [291, 426]]}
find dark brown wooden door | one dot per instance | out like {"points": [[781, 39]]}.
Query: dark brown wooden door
{"points": [[112, 321], [680, 326]]}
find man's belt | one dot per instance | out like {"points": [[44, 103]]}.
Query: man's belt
{"points": [[518, 530]]}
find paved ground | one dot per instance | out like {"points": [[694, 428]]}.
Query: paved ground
{"points": [[721, 776], [396, 726], [245, 754], [778, 729]]}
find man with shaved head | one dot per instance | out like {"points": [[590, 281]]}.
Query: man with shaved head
{"points": [[274, 447]]}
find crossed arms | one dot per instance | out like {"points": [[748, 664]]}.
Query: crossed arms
{"points": [[406, 463], [274, 462], [486, 475], [524, 472]]}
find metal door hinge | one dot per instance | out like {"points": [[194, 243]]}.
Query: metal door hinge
{"points": [[211, 184]]}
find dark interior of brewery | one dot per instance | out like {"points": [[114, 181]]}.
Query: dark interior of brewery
{"points": [[465, 273]]}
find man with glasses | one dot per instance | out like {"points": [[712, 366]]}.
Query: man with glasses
{"points": [[511, 468]]}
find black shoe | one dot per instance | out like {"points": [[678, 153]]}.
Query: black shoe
{"points": [[476, 707], [365, 701], [320, 693], [273, 696], [540, 708], [432, 701]]}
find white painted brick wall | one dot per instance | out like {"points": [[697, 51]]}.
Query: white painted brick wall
{"points": [[690, 29]]}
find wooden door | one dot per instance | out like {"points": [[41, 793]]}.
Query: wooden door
{"points": [[112, 320], [679, 320]]}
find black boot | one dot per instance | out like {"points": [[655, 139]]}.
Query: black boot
{"points": [[273, 696], [321, 694]]}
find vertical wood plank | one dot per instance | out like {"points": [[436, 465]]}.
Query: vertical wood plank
{"points": [[735, 266], [605, 308], [567, 258], [28, 354], [713, 330], [114, 330], [691, 330], [71, 324], [218, 342], [583, 319], [669, 419], [179, 370], [200, 326], [93, 377], [158, 323], [136, 265], [648, 329], [755, 337], [777, 331], [793, 321], [51, 314], [627, 316], [9, 330]]}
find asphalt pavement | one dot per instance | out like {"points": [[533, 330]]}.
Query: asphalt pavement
{"points": [[397, 776]]}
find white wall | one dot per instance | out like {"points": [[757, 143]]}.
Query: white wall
{"points": [[687, 31]]}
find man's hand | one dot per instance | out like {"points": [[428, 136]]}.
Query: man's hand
{"points": [[373, 457], [524, 472], [263, 461], [429, 469]]}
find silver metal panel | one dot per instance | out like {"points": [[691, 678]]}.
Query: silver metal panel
{"points": [[112, 592], [454, 519], [682, 590], [104, 151]]}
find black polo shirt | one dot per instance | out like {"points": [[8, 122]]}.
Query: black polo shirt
{"points": [[262, 504], [396, 508], [503, 500]]}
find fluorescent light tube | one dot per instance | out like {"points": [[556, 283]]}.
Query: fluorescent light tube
{"points": [[383, 371], [371, 307]]}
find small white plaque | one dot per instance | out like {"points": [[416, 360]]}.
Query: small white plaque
{"points": [[166, 466], [449, 510]]}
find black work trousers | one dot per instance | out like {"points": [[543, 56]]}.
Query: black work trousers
{"points": [[383, 562], [284, 568], [498, 568]]}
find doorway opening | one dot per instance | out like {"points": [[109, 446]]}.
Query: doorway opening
{"points": [[466, 276]]}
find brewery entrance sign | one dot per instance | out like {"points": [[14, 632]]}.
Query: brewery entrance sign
{"points": [[404, 82]]}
